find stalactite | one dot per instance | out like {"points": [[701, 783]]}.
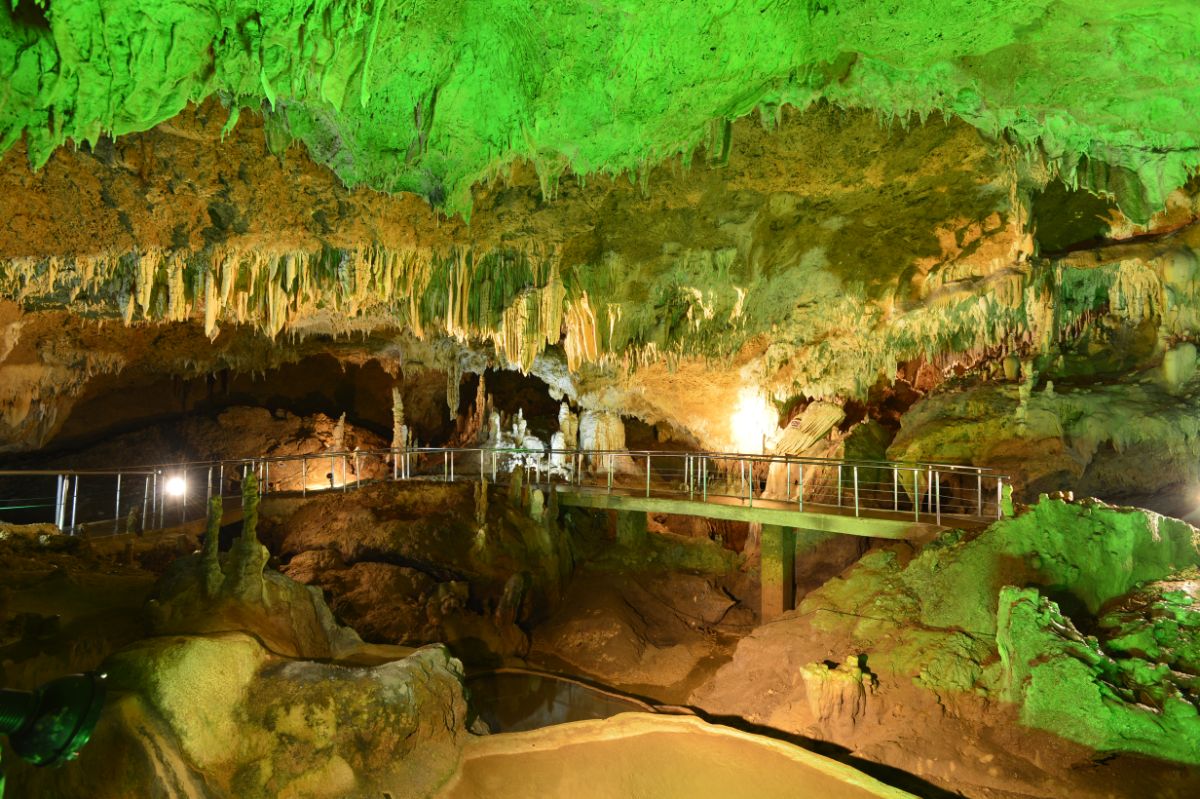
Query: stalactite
{"points": [[453, 386], [582, 343], [399, 431]]}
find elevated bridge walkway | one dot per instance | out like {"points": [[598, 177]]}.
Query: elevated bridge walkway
{"points": [[783, 493]]}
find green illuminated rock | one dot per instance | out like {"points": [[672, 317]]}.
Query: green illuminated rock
{"points": [[983, 629], [429, 96], [1070, 685]]}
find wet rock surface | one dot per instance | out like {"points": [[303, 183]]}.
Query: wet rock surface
{"points": [[936, 664], [417, 562], [249, 688], [654, 632], [212, 716]]}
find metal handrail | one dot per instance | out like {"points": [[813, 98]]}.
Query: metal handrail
{"points": [[698, 475], [757, 457]]}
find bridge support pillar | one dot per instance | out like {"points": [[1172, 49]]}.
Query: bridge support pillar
{"points": [[631, 529], [778, 570]]}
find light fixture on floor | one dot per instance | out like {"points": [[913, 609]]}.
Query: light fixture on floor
{"points": [[176, 486]]}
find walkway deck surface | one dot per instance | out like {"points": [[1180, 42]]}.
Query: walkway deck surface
{"points": [[821, 518]]}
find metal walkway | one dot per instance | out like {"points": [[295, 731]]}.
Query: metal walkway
{"points": [[824, 519], [876, 499]]}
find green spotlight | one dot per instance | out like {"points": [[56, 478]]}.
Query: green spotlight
{"points": [[50, 724]]}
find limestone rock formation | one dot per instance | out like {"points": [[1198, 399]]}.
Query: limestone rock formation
{"points": [[205, 593], [414, 563], [218, 716], [374, 93], [978, 637], [249, 688]]}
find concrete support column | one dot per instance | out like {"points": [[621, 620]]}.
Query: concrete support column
{"points": [[631, 529], [778, 575]]}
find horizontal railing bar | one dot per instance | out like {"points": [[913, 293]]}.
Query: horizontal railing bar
{"points": [[913, 489], [144, 471], [733, 458]]}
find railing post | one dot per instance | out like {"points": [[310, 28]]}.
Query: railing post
{"points": [[161, 487], [183, 500], [929, 482], [856, 490], [750, 482], [999, 496], [800, 486], [221, 479], [396, 465], [916, 495], [451, 466], [609, 458], [937, 495], [345, 473], [979, 490], [332, 472], [208, 488], [266, 481], [482, 478], [145, 502], [153, 496], [304, 475], [74, 501], [787, 491], [60, 503], [647, 474], [895, 489], [117, 511], [445, 468], [839, 485], [357, 470], [493, 466]]}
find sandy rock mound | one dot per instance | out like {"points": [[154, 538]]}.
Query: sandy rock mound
{"points": [[639, 630], [219, 717]]}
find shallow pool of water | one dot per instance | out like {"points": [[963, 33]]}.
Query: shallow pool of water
{"points": [[514, 701]]}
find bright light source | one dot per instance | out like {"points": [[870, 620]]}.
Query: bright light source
{"points": [[175, 486], [752, 419]]}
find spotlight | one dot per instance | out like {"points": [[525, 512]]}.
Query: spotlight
{"points": [[753, 420], [175, 486], [50, 724]]}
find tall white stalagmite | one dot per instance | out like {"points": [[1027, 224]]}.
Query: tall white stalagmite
{"points": [[399, 430], [568, 425]]}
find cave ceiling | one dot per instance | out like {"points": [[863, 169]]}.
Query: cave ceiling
{"points": [[431, 96], [649, 205]]}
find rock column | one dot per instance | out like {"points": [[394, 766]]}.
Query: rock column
{"points": [[778, 565]]}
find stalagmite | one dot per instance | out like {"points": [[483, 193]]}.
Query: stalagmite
{"points": [[338, 444], [399, 430], [568, 425]]}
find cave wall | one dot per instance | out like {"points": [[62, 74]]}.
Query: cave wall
{"points": [[611, 277], [806, 254]]}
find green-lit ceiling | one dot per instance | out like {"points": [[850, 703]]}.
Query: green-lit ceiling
{"points": [[430, 96]]}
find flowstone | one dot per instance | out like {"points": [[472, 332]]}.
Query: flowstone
{"points": [[1067, 683], [205, 593], [983, 630], [220, 717]]}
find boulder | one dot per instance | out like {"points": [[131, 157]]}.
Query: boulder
{"points": [[220, 717]]}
